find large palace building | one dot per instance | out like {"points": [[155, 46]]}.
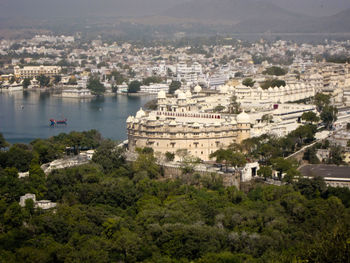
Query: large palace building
{"points": [[178, 124], [36, 71]]}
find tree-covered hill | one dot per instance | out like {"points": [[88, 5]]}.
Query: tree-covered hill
{"points": [[112, 211]]}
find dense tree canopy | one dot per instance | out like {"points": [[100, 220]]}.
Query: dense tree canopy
{"points": [[174, 85], [275, 71], [96, 86], [310, 117], [113, 211], [272, 83], [249, 82], [134, 86]]}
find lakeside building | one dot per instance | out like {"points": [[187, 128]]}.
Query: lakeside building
{"points": [[77, 93], [35, 71], [154, 88], [179, 127], [190, 122]]}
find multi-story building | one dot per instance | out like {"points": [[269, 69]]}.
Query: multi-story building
{"points": [[172, 129], [154, 88], [35, 71]]}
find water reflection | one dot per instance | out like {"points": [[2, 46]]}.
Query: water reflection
{"points": [[25, 116]]}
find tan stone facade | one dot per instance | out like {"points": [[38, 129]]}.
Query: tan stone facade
{"points": [[199, 133], [35, 71]]}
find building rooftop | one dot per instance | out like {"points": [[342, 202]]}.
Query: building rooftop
{"points": [[323, 170]]}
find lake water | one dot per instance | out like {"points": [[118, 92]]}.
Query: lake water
{"points": [[24, 116]]}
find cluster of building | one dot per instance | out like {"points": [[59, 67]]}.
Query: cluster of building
{"points": [[211, 65]]}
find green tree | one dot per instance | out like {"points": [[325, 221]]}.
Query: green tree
{"points": [[3, 142], [153, 79], [219, 108], [265, 171], [272, 83], [267, 118], [134, 86], [151, 105], [283, 165], [275, 71], [146, 162], [229, 157], [322, 100], [57, 79], [335, 155], [109, 156], [44, 81], [26, 83], [310, 117], [329, 116], [169, 156], [234, 105], [19, 156], [96, 86], [174, 85], [249, 82]]}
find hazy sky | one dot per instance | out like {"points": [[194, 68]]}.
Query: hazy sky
{"points": [[79, 8]]}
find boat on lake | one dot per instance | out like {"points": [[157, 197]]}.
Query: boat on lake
{"points": [[54, 122]]}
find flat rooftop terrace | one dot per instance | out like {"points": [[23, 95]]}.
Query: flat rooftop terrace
{"points": [[329, 171]]}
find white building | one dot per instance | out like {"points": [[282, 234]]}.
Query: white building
{"points": [[35, 71], [43, 204], [77, 93], [154, 88]]}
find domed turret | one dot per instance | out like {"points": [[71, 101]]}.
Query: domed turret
{"points": [[129, 119], [140, 114], [197, 89], [243, 118], [161, 95]]}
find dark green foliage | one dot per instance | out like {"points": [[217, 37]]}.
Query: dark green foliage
{"points": [[151, 105], [310, 156], [96, 86], [322, 100], [272, 83], [3, 142], [109, 156], [310, 117], [219, 108], [118, 77], [249, 82], [26, 83], [109, 211], [153, 79], [335, 155], [19, 156], [43, 80], [174, 85], [134, 86], [275, 71], [169, 156], [329, 115]]}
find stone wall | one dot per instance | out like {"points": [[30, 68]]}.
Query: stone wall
{"points": [[229, 179]]}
